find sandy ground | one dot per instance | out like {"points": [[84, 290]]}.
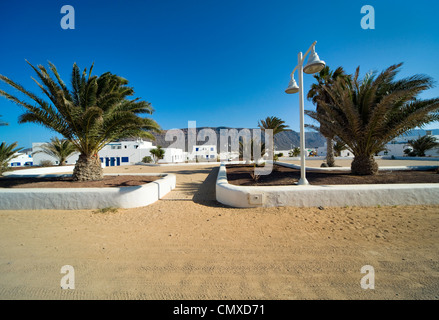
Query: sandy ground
{"points": [[188, 246]]}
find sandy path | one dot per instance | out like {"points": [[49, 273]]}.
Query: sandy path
{"points": [[187, 246]]}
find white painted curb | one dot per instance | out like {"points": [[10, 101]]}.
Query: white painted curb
{"points": [[87, 198], [387, 168], [326, 196]]}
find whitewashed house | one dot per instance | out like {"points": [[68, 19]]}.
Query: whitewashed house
{"points": [[321, 152], [397, 146], [394, 148], [21, 160], [203, 153], [173, 155], [117, 154], [124, 152]]}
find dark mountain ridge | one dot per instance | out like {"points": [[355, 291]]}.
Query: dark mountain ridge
{"points": [[282, 141]]}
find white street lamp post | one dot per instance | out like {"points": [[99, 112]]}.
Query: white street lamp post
{"points": [[313, 65]]}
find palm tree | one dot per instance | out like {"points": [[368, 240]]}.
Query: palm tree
{"points": [[294, 152], [338, 148], [325, 78], [366, 114], [58, 149], [157, 153], [95, 111], [274, 123], [423, 144], [7, 153]]}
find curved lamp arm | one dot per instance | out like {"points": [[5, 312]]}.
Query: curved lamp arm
{"points": [[307, 52]]}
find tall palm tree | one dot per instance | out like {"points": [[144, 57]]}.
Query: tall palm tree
{"points": [[325, 78], [367, 113], [274, 123], [95, 111], [58, 149], [7, 153]]}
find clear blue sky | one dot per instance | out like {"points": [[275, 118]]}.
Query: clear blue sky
{"points": [[219, 63]]}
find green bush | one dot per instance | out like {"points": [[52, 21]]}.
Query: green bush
{"points": [[46, 163], [147, 159]]}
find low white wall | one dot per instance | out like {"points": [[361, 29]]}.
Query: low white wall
{"points": [[87, 198], [326, 196], [433, 158], [387, 168]]}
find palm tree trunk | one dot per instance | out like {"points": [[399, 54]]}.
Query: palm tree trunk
{"points": [[364, 165], [88, 168], [330, 161]]}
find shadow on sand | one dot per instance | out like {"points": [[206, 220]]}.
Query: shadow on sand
{"points": [[205, 194]]}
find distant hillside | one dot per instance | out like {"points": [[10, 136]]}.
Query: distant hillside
{"points": [[282, 141], [287, 139]]}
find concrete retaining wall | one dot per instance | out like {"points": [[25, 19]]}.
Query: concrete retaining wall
{"points": [[87, 198], [326, 196]]}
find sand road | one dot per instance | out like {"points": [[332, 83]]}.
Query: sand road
{"points": [[188, 246]]}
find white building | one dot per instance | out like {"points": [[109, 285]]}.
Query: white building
{"points": [[321, 152], [21, 160], [173, 155], [203, 153], [117, 154], [397, 146], [125, 152], [394, 148]]}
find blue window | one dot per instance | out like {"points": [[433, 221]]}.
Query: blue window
{"points": [[125, 159], [212, 156], [196, 149], [211, 149]]}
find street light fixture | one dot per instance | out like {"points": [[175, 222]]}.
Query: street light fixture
{"points": [[292, 86], [313, 65]]}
